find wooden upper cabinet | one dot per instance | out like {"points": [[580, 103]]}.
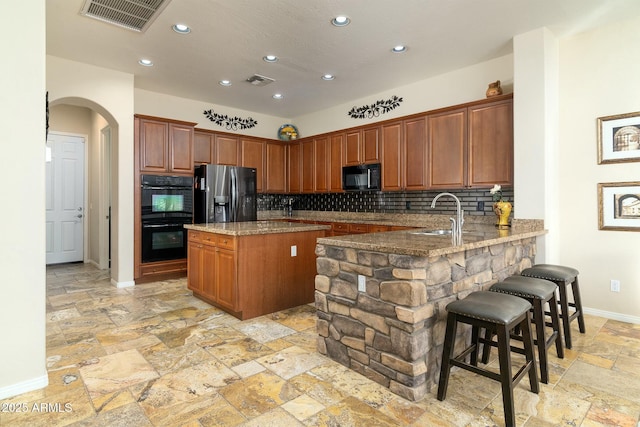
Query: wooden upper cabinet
{"points": [[203, 143], [322, 160], [180, 148], [415, 154], [491, 144], [336, 155], [404, 155], [447, 139], [362, 146], [308, 170], [276, 167], [294, 163], [392, 157], [226, 150], [253, 156], [164, 146], [154, 146]]}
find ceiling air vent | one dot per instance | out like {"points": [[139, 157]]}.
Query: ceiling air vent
{"points": [[258, 80], [135, 15]]}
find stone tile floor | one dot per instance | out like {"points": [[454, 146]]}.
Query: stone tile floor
{"points": [[155, 355]]}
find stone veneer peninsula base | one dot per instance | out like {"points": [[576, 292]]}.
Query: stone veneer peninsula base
{"points": [[393, 331]]}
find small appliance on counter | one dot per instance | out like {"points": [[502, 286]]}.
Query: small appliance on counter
{"points": [[224, 194]]}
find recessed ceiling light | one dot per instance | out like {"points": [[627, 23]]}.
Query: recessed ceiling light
{"points": [[270, 58], [224, 83], [399, 49], [328, 77], [340, 21], [146, 62], [181, 29], [278, 96]]}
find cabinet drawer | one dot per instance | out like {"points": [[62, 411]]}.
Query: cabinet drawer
{"points": [[202, 237], [378, 228], [358, 228], [340, 226], [195, 236], [226, 242]]}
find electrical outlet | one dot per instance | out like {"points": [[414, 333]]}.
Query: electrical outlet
{"points": [[407, 204], [294, 250], [615, 285], [480, 206], [362, 283]]}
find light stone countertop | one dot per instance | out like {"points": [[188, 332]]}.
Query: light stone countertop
{"points": [[409, 242], [251, 228]]}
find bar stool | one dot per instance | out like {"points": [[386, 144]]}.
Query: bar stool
{"points": [[501, 314], [563, 277], [538, 292]]}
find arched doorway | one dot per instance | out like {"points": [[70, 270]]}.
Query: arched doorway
{"points": [[85, 117]]}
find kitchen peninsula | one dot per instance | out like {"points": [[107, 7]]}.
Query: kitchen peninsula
{"points": [[381, 297], [253, 268]]}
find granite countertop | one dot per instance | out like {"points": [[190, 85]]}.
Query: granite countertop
{"points": [[251, 228], [411, 242]]}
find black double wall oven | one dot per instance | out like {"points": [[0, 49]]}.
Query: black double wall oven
{"points": [[167, 204]]}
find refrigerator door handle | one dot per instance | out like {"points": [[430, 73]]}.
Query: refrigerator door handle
{"points": [[234, 196]]}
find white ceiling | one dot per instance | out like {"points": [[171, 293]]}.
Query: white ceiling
{"points": [[230, 37]]}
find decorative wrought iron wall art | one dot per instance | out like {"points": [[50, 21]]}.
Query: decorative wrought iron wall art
{"points": [[230, 123], [375, 109]]}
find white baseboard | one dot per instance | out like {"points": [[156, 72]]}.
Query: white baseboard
{"points": [[24, 387], [123, 284], [612, 315]]}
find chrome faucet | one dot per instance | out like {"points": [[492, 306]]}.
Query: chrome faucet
{"points": [[456, 223]]}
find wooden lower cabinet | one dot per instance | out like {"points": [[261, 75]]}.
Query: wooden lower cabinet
{"points": [[250, 276]]}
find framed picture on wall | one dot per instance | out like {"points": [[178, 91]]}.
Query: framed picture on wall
{"points": [[619, 206], [619, 138]]}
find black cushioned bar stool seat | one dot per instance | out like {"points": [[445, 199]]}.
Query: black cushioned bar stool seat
{"points": [[501, 314], [538, 292], [563, 277]]}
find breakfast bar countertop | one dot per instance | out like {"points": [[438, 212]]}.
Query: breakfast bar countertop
{"points": [[416, 243], [251, 228]]}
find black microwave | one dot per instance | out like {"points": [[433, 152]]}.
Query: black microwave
{"points": [[361, 177]]}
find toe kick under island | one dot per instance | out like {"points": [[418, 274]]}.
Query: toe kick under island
{"points": [[381, 298], [250, 269]]}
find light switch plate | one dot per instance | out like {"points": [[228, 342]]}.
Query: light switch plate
{"points": [[362, 283], [294, 250]]}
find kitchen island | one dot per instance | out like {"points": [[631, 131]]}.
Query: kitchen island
{"points": [[252, 268], [381, 297]]}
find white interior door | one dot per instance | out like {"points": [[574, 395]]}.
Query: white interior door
{"points": [[65, 198]]}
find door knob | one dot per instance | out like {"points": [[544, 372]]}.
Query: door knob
{"points": [[79, 215]]}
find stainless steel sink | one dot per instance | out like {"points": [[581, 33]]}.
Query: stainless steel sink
{"points": [[441, 232]]}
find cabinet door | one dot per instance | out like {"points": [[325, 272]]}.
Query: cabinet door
{"points": [[352, 148], [335, 162], [252, 156], [276, 173], [446, 138], [181, 148], [491, 144], [415, 154], [307, 166], [154, 146], [194, 266], [295, 167], [203, 144], [392, 154], [209, 268], [225, 279], [321, 161], [226, 149], [371, 145]]}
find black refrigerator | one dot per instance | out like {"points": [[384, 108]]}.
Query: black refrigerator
{"points": [[224, 194]]}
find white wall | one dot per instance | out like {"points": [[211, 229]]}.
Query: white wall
{"points": [[22, 257], [457, 87], [172, 107], [598, 77], [110, 93]]}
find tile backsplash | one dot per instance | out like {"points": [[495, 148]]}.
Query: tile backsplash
{"points": [[474, 201]]}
